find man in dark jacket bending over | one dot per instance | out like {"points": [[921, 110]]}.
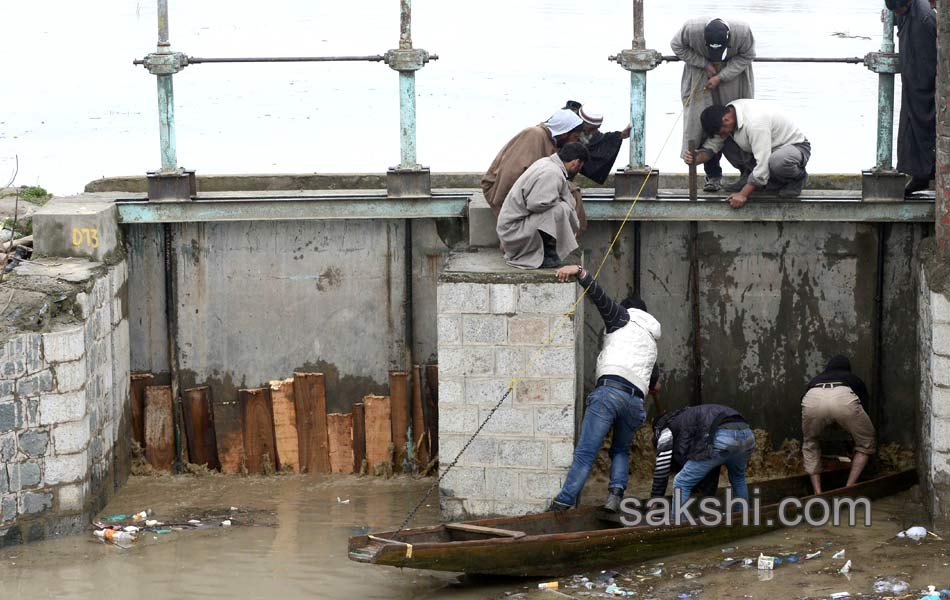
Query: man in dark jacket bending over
{"points": [[696, 441], [626, 371]]}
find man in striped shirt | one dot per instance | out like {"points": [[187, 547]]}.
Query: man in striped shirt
{"points": [[697, 441], [626, 371]]}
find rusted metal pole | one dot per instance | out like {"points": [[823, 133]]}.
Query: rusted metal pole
{"points": [[692, 172], [876, 409], [171, 323], [197, 60], [162, 24], [694, 289], [405, 24], [639, 42], [851, 60], [885, 100]]}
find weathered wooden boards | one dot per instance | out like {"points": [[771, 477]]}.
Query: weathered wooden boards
{"points": [[285, 426], [399, 409], [198, 417], [378, 429], [260, 449], [340, 436], [311, 404], [159, 427]]}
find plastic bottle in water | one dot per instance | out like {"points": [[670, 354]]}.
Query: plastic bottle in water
{"points": [[141, 516], [111, 535]]}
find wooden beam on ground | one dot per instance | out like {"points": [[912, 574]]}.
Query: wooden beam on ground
{"points": [[399, 405], [431, 405], [310, 398], [340, 435], [378, 429], [159, 434], [198, 416], [139, 382], [359, 436], [260, 449], [285, 424], [420, 442]]}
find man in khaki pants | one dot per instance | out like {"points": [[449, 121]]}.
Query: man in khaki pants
{"points": [[836, 395]]}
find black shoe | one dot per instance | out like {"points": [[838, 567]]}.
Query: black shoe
{"points": [[614, 498], [916, 184], [551, 259], [557, 507], [738, 184], [793, 189], [712, 184]]}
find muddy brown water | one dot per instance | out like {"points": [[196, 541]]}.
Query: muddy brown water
{"points": [[289, 537]]}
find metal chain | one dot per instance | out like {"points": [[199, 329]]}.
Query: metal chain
{"points": [[453, 463]]}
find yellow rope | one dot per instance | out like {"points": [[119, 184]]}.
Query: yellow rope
{"points": [[613, 242]]}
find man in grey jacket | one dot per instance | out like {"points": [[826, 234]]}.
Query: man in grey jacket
{"points": [[538, 222], [769, 150], [717, 69]]}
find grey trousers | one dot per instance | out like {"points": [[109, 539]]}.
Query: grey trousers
{"points": [[785, 165]]}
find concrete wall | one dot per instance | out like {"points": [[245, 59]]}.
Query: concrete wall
{"points": [[258, 300], [496, 323], [64, 402], [933, 419]]}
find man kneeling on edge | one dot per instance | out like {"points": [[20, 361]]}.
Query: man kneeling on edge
{"points": [[767, 148], [626, 368], [538, 223], [696, 441], [836, 395]]}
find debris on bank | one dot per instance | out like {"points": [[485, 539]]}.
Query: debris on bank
{"points": [[124, 529]]}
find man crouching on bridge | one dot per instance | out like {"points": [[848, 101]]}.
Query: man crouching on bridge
{"points": [[767, 148], [626, 370]]}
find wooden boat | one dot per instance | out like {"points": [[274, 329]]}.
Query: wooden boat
{"points": [[564, 543]]}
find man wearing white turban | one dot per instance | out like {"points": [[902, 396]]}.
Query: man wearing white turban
{"points": [[603, 147], [525, 149]]}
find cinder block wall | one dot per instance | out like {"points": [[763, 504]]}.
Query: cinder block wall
{"points": [[492, 321], [64, 406], [934, 410]]}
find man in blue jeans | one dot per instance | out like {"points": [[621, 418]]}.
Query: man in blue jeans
{"points": [[696, 441], [626, 370]]}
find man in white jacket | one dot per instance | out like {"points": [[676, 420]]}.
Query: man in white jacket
{"points": [[626, 371], [769, 150]]}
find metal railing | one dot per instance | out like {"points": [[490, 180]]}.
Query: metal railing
{"points": [[406, 60], [164, 64], [639, 60]]}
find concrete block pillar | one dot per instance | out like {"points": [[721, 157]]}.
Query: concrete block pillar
{"points": [[934, 415], [942, 184], [493, 324]]}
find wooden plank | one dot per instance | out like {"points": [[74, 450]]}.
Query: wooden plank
{"points": [[378, 429], [311, 402], [139, 382], [359, 436], [231, 449], [260, 449], [159, 429], [431, 405], [340, 437], [420, 440], [285, 424], [198, 417], [399, 406], [470, 528]]}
